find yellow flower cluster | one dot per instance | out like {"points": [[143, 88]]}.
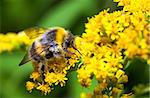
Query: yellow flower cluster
{"points": [[12, 41], [134, 5], [39, 86], [55, 75], [108, 40], [42, 87]]}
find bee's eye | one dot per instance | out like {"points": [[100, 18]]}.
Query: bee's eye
{"points": [[67, 44], [51, 45], [72, 41]]}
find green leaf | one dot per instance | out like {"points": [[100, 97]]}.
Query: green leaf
{"points": [[138, 73]]}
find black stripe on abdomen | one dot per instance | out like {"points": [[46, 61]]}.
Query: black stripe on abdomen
{"points": [[33, 54]]}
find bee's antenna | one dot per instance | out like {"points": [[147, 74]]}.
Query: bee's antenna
{"points": [[76, 49]]}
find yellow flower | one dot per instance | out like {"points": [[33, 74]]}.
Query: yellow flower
{"points": [[12, 41], [109, 38], [83, 95], [116, 91], [105, 96], [35, 75], [50, 78], [119, 73], [24, 39], [134, 5], [84, 77], [122, 2], [55, 78], [123, 79], [61, 79], [44, 88], [85, 82], [7, 42], [130, 95], [30, 86]]}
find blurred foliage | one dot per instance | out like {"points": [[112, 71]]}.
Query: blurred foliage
{"points": [[142, 90], [17, 15], [138, 73]]}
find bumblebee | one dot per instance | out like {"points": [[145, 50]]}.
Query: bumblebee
{"points": [[48, 44]]}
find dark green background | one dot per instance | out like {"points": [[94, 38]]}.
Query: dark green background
{"points": [[17, 15]]}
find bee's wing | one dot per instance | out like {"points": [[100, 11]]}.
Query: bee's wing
{"points": [[34, 32], [25, 59]]}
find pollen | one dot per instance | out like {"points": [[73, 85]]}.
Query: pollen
{"points": [[107, 40]]}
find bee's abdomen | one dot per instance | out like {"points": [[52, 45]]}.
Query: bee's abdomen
{"points": [[33, 54]]}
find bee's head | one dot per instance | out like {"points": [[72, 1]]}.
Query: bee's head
{"points": [[68, 41]]}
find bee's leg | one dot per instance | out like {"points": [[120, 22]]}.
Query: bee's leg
{"points": [[39, 67], [43, 69], [42, 72], [69, 53], [73, 46], [36, 66]]}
